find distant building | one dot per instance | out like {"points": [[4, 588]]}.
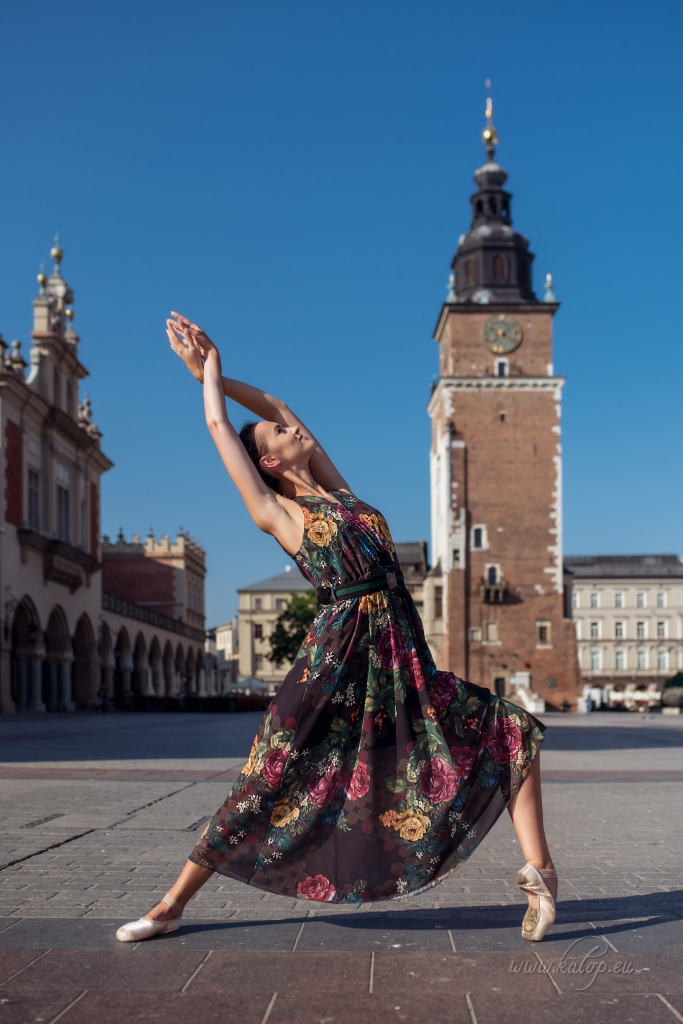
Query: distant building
{"points": [[628, 616], [164, 576], [225, 642], [260, 605]]}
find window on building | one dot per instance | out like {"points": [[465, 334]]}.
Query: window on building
{"points": [[596, 661], [640, 599], [438, 602], [661, 630], [280, 604], [63, 513], [478, 537], [84, 523], [258, 631], [499, 268], [595, 630], [661, 599], [662, 661], [576, 603], [543, 632], [258, 604], [456, 557], [595, 599], [618, 630], [620, 660], [618, 599], [492, 632], [492, 575], [641, 632], [258, 662], [642, 659], [502, 368], [577, 627], [34, 499], [475, 634]]}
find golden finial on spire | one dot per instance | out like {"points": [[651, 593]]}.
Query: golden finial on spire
{"points": [[57, 255], [489, 134]]}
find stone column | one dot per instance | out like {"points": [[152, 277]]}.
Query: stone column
{"points": [[125, 681], [36, 683], [65, 698], [55, 669], [22, 672], [202, 682]]}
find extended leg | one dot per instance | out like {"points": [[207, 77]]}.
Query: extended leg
{"points": [[526, 811], [190, 880]]}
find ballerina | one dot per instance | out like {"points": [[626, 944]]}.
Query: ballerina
{"points": [[372, 776]]}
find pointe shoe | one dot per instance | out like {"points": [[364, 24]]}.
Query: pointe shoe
{"points": [[145, 928], [541, 911]]}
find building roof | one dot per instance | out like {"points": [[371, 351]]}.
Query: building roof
{"points": [[284, 582], [624, 566], [412, 556]]}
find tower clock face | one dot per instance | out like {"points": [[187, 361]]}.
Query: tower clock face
{"points": [[501, 333]]}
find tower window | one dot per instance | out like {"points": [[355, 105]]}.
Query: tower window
{"points": [[502, 368], [492, 206], [499, 268], [492, 575], [470, 272], [477, 541], [456, 556], [438, 602], [479, 208], [543, 632]]}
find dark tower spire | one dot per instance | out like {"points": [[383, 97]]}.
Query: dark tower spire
{"points": [[492, 263]]}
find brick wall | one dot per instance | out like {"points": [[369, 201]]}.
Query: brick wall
{"points": [[145, 581]]}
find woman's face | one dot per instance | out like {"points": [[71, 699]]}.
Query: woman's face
{"points": [[286, 447]]}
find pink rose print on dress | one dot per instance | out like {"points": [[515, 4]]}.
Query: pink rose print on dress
{"points": [[504, 740], [442, 691], [321, 788], [391, 648], [352, 519], [317, 888], [438, 781], [463, 761], [274, 766], [360, 782], [417, 678]]}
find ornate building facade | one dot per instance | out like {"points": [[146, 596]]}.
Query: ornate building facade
{"points": [[64, 643], [498, 615]]}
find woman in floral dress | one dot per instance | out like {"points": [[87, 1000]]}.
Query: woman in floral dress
{"points": [[373, 775]]}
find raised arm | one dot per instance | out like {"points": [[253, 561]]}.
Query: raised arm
{"points": [[260, 403], [273, 513]]}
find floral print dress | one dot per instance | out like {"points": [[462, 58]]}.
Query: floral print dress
{"points": [[373, 775]]}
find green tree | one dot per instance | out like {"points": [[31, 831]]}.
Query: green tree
{"points": [[291, 626]]}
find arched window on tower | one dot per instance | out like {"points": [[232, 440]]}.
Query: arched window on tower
{"points": [[479, 209], [470, 272], [505, 209], [491, 206], [499, 268]]}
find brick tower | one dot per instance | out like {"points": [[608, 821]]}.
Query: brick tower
{"points": [[496, 466]]}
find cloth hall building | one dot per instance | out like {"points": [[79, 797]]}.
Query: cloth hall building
{"points": [[65, 642]]}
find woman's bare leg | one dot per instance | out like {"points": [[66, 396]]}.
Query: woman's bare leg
{"points": [[526, 811], [190, 880]]}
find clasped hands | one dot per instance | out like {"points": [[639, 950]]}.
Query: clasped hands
{"points": [[189, 342]]}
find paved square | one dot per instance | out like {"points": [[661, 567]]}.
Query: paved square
{"points": [[93, 834]]}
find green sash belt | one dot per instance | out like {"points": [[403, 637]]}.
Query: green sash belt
{"points": [[385, 581]]}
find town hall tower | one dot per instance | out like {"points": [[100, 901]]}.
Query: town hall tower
{"points": [[496, 466]]}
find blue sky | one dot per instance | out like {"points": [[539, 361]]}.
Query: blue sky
{"points": [[295, 177]]}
